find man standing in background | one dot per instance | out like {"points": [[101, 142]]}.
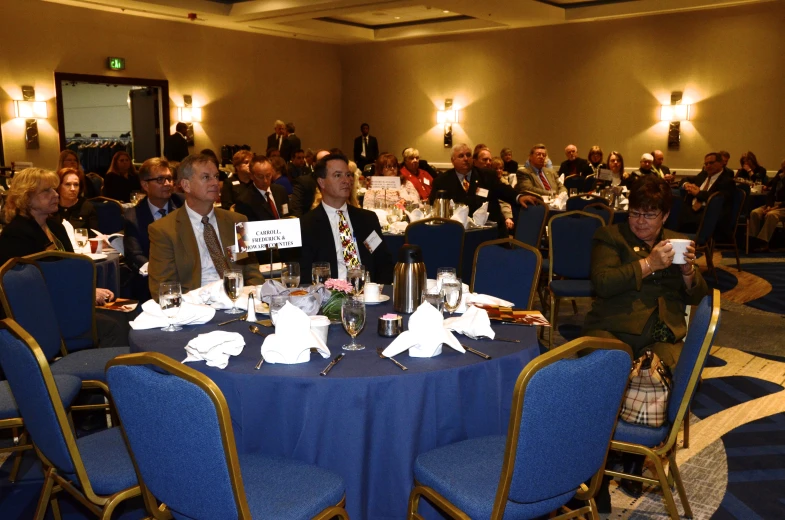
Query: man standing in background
{"points": [[366, 148]]}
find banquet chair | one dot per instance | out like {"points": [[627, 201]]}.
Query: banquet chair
{"points": [[704, 237], [441, 242], [578, 202], [95, 469], [531, 223], [602, 210], [510, 273], [574, 182], [94, 186], [739, 197], [660, 443], [589, 183], [178, 427], [569, 270], [110, 214], [564, 408], [677, 202]]}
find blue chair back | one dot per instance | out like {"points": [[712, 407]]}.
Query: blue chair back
{"points": [[578, 202], [510, 274], [70, 279], [570, 236], [569, 407], [673, 217], [711, 217], [26, 299], [181, 441], [110, 214], [531, 224], [601, 210], [33, 387], [441, 242], [589, 182], [737, 208], [574, 182]]}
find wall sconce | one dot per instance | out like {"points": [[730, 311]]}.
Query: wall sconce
{"points": [[674, 113], [30, 110], [189, 114], [447, 117]]}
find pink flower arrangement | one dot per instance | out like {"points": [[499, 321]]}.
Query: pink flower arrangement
{"points": [[339, 285]]}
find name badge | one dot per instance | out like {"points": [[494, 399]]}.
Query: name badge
{"points": [[482, 192], [373, 241], [427, 182], [235, 183], [285, 208]]}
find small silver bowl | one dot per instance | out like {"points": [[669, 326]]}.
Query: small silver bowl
{"points": [[389, 328]]}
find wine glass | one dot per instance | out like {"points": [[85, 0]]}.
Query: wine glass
{"points": [[453, 289], [356, 277], [290, 275], [170, 297], [444, 272], [277, 302], [434, 296], [353, 319], [80, 237], [320, 272], [233, 286]]}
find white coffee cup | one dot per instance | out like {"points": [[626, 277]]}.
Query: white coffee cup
{"points": [[372, 292], [680, 248], [320, 325]]}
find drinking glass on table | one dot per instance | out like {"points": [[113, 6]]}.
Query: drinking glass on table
{"points": [[353, 319], [573, 192], [444, 272], [356, 277], [290, 275], [453, 289], [435, 297], [80, 237], [320, 272], [170, 297], [233, 286], [276, 304]]}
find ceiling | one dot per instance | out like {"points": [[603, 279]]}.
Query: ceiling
{"points": [[356, 21]]}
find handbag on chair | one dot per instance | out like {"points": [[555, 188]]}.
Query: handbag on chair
{"points": [[648, 391]]}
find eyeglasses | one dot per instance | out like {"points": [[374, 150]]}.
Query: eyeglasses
{"points": [[163, 179], [647, 216]]}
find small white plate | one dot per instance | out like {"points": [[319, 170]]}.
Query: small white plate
{"points": [[96, 256], [383, 298]]}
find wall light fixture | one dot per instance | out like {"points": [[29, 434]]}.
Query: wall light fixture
{"points": [[447, 117], [30, 110], [674, 113]]}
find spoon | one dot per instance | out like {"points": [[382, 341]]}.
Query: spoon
{"points": [[255, 330]]}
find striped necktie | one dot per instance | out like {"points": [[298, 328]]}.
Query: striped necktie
{"points": [[350, 256], [214, 247]]}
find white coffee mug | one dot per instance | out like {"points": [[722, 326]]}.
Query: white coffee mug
{"points": [[680, 248], [372, 292], [320, 325]]}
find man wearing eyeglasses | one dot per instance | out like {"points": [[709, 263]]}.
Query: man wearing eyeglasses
{"points": [[712, 179]]}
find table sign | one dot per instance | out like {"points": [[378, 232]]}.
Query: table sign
{"points": [[391, 182], [266, 234], [605, 175]]}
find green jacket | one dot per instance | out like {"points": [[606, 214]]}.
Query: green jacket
{"points": [[625, 300]]}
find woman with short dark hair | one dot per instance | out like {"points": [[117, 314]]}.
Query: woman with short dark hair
{"points": [[73, 207]]}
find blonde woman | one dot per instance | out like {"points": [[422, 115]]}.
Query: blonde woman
{"points": [[121, 179]]}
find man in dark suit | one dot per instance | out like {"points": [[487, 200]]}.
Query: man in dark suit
{"points": [[712, 179], [293, 143], [304, 190], [341, 234], [240, 179], [661, 170], [297, 166], [277, 140], [574, 165], [466, 184], [366, 148], [176, 147]]}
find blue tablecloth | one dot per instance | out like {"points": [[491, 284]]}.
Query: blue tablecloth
{"points": [[367, 420], [107, 273]]}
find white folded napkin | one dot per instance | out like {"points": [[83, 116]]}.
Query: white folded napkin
{"points": [[143, 269], [425, 335], [293, 338], [486, 299], [381, 214], [561, 179], [473, 323], [461, 214], [398, 227], [214, 347], [415, 215], [560, 201], [218, 298], [190, 314], [480, 216], [69, 229]]}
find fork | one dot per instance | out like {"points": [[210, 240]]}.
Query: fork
{"points": [[379, 351]]}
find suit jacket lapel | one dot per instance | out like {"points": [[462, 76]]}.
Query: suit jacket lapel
{"points": [[188, 247]]}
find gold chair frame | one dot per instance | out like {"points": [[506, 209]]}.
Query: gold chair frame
{"points": [[667, 450], [575, 347], [600, 205], [708, 247], [204, 383], [101, 506], [514, 243]]}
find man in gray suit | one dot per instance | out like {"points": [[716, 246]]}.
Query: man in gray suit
{"points": [[538, 178]]}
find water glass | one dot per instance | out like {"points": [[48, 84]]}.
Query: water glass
{"points": [[233, 287], [444, 272], [353, 319], [276, 304], [320, 272], [356, 277], [435, 297], [290, 275], [170, 297], [80, 236], [453, 289]]}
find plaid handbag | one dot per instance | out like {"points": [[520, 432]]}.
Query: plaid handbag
{"points": [[646, 398]]}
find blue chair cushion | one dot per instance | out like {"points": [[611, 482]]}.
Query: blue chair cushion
{"points": [[638, 434], [88, 364], [106, 461], [575, 288], [467, 474], [68, 386], [291, 489]]}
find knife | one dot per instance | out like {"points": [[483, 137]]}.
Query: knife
{"points": [[476, 352], [497, 338], [332, 364]]}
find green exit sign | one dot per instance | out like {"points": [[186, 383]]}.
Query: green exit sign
{"points": [[115, 63]]}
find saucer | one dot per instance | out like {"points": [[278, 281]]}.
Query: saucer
{"points": [[383, 298]]}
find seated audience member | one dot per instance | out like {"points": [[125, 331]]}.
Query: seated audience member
{"points": [[764, 220], [595, 160], [644, 169], [387, 166], [273, 152], [725, 156], [482, 157], [297, 166], [69, 159], [641, 293], [339, 233], [537, 177], [189, 246], [574, 165], [310, 160], [710, 180], [121, 179], [237, 181], [73, 207], [411, 172], [497, 165], [616, 166], [280, 177], [510, 166], [660, 169], [354, 199], [304, 191], [467, 184], [750, 170]]}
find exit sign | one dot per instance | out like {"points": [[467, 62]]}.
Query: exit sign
{"points": [[115, 63]]}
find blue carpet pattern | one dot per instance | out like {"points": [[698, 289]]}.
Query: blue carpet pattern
{"points": [[721, 393], [774, 273]]}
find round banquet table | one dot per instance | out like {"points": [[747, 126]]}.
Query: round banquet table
{"points": [[107, 273], [368, 419]]}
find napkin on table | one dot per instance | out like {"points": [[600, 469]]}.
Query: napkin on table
{"points": [[486, 299], [69, 229], [293, 338], [218, 298], [425, 336], [473, 323], [190, 314], [214, 347], [561, 179], [480, 216], [415, 215], [461, 214], [381, 214], [560, 201], [143, 270], [398, 227]]}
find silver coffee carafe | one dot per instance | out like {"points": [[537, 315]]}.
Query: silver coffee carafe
{"points": [[441, 205], [409, 279]]}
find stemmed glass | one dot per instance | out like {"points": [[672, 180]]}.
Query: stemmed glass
{"points": [[277, 303], [353, 319], [435, 297], [444, 272], [453, 289], [320, 272], [80, 236], [290, 275], [356, 277], [170, 297], [233, 286]]}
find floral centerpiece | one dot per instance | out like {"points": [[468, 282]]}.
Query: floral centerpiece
{"points": [[339, 291]]}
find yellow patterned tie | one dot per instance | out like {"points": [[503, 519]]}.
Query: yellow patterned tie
{"points": [[214, 247], [350, 256]]}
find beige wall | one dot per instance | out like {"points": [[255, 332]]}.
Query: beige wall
{"points": [[588, 83], [244, 81]]}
